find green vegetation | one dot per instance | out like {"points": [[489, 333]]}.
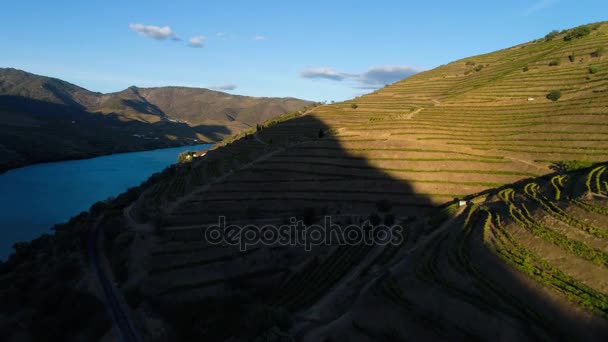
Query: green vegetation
{"points": [[551, 35], [594, 69], [578, 32], [185, 157], [599, 52], [554, 95], [403, 156]]}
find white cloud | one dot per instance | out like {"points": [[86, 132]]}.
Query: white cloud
{"points": [[197, 42], [259, 38], [539, 5], [152, 31], [325, 73], [374, 78], [225, 86]]}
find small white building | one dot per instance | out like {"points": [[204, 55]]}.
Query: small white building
{"points": [[462, 203], [530, 99]]}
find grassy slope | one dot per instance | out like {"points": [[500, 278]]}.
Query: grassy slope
{"points": [[448, 132]]}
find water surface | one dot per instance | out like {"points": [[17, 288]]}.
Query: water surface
{"points": [[36, 197]]}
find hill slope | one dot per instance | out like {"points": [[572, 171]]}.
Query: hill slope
{"points": [[524, 260], [45, 119], [468, 127]]}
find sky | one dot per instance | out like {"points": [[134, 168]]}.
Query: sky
{"points": [[315, 50]]}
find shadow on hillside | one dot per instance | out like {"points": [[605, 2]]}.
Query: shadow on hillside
{"points": [[212, 132], [35, 131], [314, 174]]}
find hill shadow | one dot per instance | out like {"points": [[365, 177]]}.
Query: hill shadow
{"points": [[34, 131], [302, 170]]}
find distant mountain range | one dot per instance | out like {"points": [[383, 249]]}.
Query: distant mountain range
{"points": [[46, 119]]}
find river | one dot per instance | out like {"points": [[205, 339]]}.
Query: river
{"points": [[36, 197]]}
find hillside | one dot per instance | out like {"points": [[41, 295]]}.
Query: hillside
{"points": [[46, 119], [523, 257]]}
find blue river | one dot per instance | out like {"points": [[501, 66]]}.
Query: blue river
{"points": [[36, 197]]}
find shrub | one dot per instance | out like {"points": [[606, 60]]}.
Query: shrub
{"points": [[577, 32], [551, 35], [526, 68], [598, 52], [184, 157], [554, 95], [354, 106], [554, 62], [594, 69], [470, 63], [572, 57], [478, 68]]}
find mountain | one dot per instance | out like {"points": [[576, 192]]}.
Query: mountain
{"points": [[495, 166], [46, 119]]}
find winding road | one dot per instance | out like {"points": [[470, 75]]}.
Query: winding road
{"points": [[119, 312]]}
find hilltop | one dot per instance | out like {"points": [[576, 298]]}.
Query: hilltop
{"points": [[496, 165], [46, 119]]}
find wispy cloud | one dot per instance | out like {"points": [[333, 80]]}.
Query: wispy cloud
{"points": [[156, 32], [197, 42], [374, 78], [224, 86], [386, 74], [325, 73], [538, 5], [259, 38]]}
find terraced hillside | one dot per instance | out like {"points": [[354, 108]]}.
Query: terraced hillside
{"points": [[470, 125], [526, 262], [524, 259]]}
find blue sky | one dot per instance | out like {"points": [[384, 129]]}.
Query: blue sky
{"points": [[317, 50]]}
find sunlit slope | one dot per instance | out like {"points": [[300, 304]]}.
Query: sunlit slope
{"points": [[462, 128], [489, 105]]}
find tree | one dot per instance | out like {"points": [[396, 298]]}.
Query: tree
{"points": [[184, 157], [551, 35], [554, 95], [572, 57], [577, 32], [526, 68], [354, 106], [321, 133]]}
